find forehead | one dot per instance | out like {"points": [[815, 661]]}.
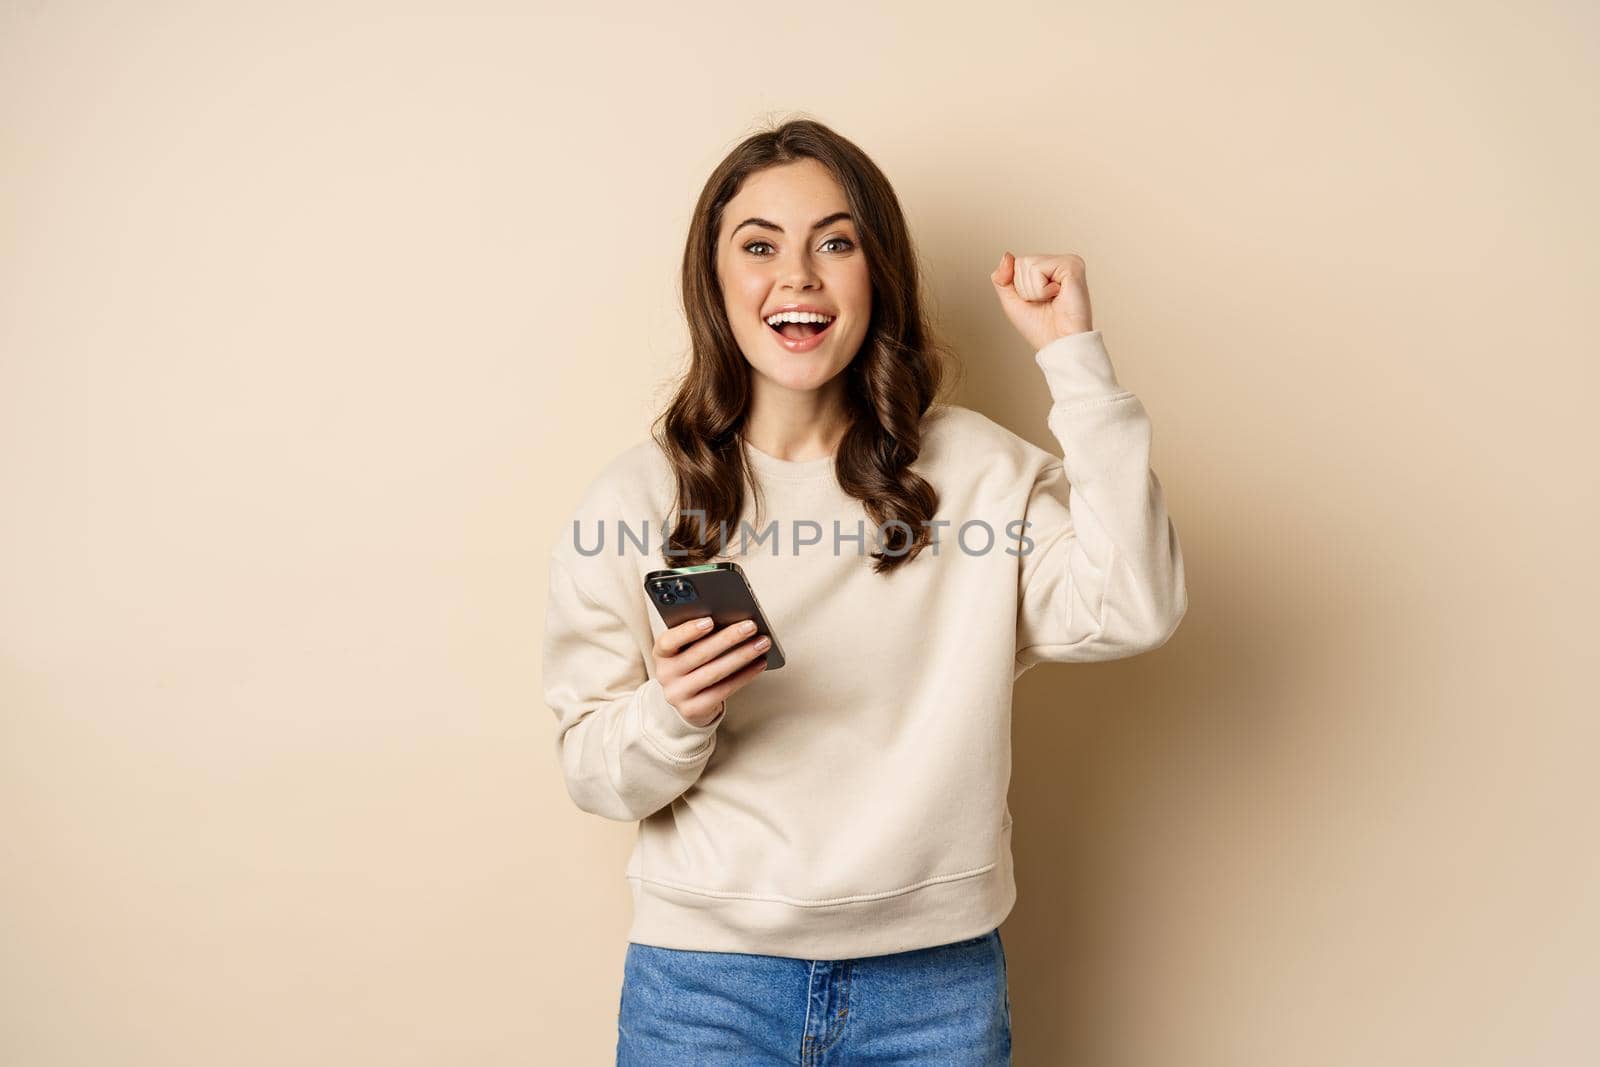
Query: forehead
{"points": [[801, 192]]}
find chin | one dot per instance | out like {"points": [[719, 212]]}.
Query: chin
{"points": [[800, 383]]}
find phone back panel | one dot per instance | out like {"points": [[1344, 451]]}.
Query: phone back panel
{"points": [[720, 591]]}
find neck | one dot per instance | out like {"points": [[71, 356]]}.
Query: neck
{"points": [[797, 425]]}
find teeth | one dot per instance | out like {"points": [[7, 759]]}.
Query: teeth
{"points": [[797, 316]]}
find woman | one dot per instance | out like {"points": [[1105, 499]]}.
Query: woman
{"points": [[824, 850]]}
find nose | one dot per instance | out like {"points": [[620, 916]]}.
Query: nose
{"points": [[798, 273]]}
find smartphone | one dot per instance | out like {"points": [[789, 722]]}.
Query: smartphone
{"points": [[719, 590]]}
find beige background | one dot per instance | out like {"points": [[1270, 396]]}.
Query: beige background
{"points": [[316, 319]]}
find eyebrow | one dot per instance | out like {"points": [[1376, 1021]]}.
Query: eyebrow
{"points": [[819, 224]]}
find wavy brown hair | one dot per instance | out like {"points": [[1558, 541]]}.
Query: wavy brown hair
{"points": [[893, 380]]}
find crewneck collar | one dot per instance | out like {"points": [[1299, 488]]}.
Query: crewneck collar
{"points": [[797, 469]]}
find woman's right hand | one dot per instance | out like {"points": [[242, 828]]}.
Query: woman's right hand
{"points": [[700, 667]]}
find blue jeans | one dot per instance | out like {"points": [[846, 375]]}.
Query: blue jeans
{"points": [[945, 1005]]}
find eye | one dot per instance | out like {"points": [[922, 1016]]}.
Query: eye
{"points": [[751, 248], [848, 244]]}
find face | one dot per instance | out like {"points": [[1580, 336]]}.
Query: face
{"points": [[788, 240]]}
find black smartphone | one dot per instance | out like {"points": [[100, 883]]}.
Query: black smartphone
{"points": [[719, 590]]}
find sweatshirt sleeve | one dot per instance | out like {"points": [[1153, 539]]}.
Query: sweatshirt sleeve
{"points": [[624, 750], [1104, 577]]}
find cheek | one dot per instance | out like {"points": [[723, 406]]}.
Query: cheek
{"points": [[858, 283], [746, 296], [736, 283]]}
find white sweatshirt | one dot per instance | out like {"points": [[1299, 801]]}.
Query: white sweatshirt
{"points": [[853, 802]]}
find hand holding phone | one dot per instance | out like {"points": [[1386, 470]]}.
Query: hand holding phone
{"points": [[700, 666], [714, 628]]}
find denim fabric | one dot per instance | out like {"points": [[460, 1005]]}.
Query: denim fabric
{"points": [[946, 1005]]}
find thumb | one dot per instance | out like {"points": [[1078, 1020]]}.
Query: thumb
{"points": [[1006, 272]]}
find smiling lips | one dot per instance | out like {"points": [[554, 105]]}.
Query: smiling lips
{"points": [[807, 335]]}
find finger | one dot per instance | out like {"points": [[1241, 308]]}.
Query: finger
{"points": [[1028, 278], [713, 645], [735, 681], [1044, 287], [708, 675], [674, 638], [1003, 274]]}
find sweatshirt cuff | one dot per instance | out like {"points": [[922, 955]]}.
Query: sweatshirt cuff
{"points": [[1077, 368], [671, 732]]}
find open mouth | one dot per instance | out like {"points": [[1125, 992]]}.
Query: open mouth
{"points": [[801, 331], [800, 336]]}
